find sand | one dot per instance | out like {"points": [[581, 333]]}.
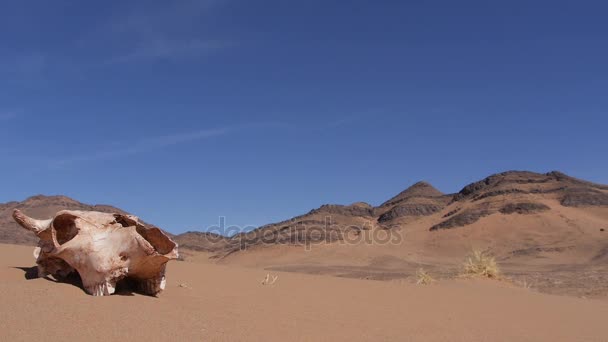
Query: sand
{"points": [[207, 302]]}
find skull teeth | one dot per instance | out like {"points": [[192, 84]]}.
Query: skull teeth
{"points": [[152, 286], [103, 289]]}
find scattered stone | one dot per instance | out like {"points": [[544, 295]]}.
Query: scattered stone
{"points": [[584, 198], [523, 208], [345, 210], [452, 212], [412, 209], [463, 219]]}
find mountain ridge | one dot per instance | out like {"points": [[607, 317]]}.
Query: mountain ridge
{"points": [[505, 193]]}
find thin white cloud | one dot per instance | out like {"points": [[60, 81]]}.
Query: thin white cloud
{"points": [[135, 32], [143, 19], [171, 32], [155, 143], [162, 49], [8, 115], [141, 146]]}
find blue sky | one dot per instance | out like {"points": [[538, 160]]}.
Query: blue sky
{"points": [[185, 111]]}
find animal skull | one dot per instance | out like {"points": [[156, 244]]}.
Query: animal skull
{"points": [[103, 248]]}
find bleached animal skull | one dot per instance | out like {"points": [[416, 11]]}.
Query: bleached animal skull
{"points": [[103, 248]]}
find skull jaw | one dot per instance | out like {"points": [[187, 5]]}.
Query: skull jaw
{"points": [[100, 275], [150, 287], [103, 289], [55, 267], [102, 284], [95, 285]]}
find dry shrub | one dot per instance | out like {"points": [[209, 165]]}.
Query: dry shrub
{"points": [[481, 264], [423, 278]]}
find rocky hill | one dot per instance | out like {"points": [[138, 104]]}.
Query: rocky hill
{"points": [[508, 193], [202, 241], [42, 207], [519, 192], [421, 199], [421, 205]]}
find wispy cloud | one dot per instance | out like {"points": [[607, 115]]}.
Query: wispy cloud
{"points": [[156, 143], [145, 18], [172, 31], [141, 146], [135, 31], [8, 115], [163, 49]]}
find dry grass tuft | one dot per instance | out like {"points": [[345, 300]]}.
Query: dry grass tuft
{"points": [[481, 264], [423, 278], [525, 284], [270, 280]]}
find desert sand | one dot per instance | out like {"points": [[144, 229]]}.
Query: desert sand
{"points": [[547, 232], [210, 302]]}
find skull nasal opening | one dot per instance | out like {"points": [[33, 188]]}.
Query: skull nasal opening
{"points": [[64, 228]]}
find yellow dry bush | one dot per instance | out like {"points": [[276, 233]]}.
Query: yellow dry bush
{"points": [[423, 278], [482, 264]]}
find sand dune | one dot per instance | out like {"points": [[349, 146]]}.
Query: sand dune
{"points": [[219, 303]]}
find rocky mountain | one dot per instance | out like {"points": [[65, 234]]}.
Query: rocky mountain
{"points": [[41, 207], [508, 193], [202, 241], [519, 192]]}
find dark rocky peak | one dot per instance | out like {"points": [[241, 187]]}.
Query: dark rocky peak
{"points": [[420, 189], [493, 181], [562, 177], [502, 183], [569, 190]]}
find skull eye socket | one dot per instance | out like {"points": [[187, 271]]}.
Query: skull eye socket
{"points": [[157, 239], [64, 228], [161, 243]]}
